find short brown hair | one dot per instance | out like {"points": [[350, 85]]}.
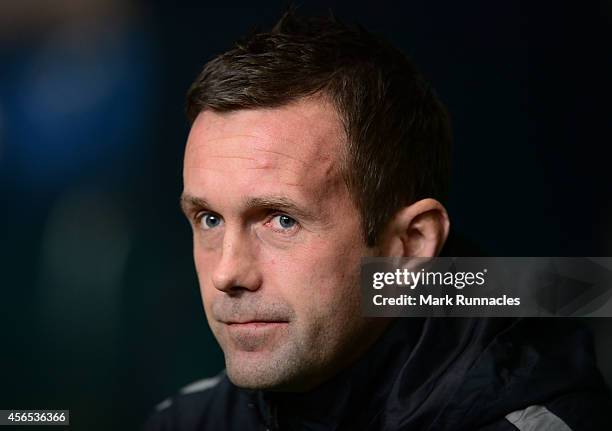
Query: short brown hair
{"points": [[398, 131]]}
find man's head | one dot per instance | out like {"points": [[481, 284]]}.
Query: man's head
{"points": [[311, 146]]}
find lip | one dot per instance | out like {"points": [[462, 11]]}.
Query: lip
{"points": [[255, 335], [255, 327], [254, 330], [256, 323]]}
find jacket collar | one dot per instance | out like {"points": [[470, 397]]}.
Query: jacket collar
{"points": [[443, 374]]}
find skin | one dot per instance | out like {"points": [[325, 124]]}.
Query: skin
{"points": [[277, 243]]}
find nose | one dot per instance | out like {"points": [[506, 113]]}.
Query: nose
{"points": [[236, 268]]}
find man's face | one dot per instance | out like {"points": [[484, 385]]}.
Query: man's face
{"points": [[277, 243]]}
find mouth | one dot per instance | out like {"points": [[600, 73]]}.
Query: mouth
{"points": [[256, 335], [255, 327], [256, 323]]}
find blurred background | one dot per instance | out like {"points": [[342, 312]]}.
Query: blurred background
{"points": [[100, 307]]}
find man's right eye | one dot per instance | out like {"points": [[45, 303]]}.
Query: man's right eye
{"points": [[209, 221]]}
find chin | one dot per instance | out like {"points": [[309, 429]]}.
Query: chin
{"points": [[262, 374], [248, 379]]}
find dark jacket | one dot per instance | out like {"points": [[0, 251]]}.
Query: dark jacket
{"points": [[489, 374]]}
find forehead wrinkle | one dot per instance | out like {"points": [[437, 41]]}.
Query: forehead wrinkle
{"points": [[197, 167], [270, 166], [307, 154], [197, 164], [216, 156], [280, 153], [225, 138], [281, 139], [266, 150], [265, 162]]}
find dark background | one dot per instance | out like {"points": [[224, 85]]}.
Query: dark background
{"points": [[100, 307]]}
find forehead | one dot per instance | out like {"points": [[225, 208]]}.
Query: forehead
{"points": [[310, 128], [298, 146]]}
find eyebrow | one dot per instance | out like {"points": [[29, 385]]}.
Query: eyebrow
{"points": [[281, 203], [189, 202]]}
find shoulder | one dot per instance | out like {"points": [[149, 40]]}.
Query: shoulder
{"points": [[552, 369], [584, 410], [570, 412], [201, 405], [534, 374]]}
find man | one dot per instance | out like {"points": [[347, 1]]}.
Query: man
{"points": [[312, 146]]}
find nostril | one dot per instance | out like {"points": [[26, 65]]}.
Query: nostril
{"points": [[224, 281], [236, 291]]}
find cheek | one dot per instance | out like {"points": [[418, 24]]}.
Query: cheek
{"points": [[320, 280], [204, 261], [336, 285]]}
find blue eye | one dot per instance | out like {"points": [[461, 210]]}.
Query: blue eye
{"points": [[284, 221], [210, 221]]}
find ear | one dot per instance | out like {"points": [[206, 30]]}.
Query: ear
{"points": [[418, 230]]}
